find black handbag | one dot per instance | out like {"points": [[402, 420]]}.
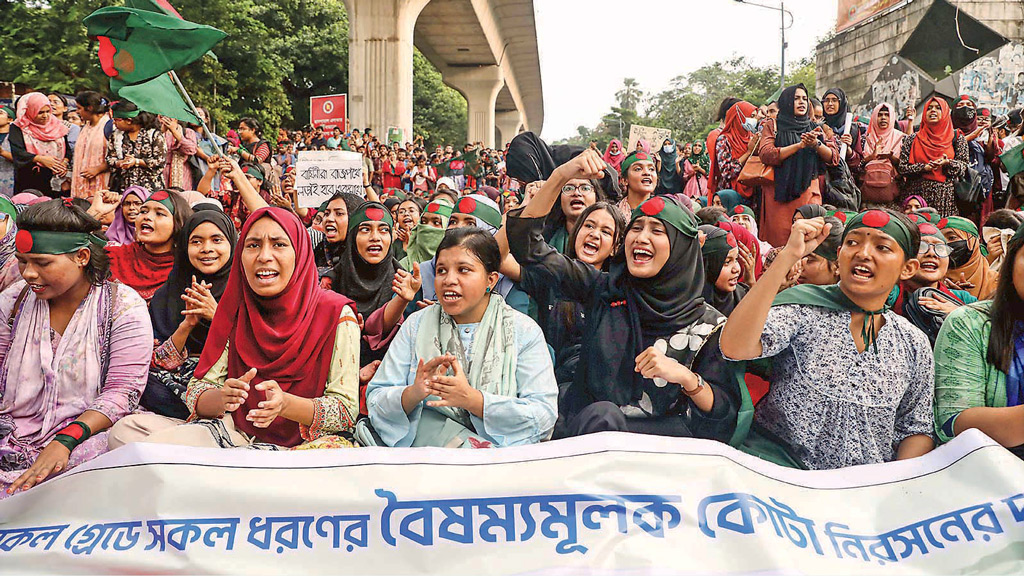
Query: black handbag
{"points": [[970, 188], [927, 320], [841, 190]]}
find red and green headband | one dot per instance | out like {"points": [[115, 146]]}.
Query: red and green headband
{"points": [[370, 212], [886, 223], [719, 243], [668, 212], [162, 197], [469, 205], [253, 171], [639, 156], [959, 223], [929, 229], [440, 207], [47, 242], [743, 210]]}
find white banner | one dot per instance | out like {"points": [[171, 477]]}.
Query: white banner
{"points": [[654, 136], [320, 174], [606, 504]]}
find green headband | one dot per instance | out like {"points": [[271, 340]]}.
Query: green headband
{"points": [[250, 170], [959, 223], [885, 222], [440, 207], [744, 210], [9, 111], [163, 198], [45, 242], [469, 205], [718, 243], [126, 114], [633, 159], [370, 212], [669, 213]]}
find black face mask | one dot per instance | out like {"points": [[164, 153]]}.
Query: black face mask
{"points": [[960, 255], [964, 116]]}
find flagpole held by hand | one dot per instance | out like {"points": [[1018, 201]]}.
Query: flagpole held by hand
{"points": [[192, 106]]}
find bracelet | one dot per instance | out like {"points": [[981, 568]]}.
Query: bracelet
{"points": [[697, 390], [73, 434]]}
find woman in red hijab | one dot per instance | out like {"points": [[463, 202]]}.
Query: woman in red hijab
{"points": [[39, 145], [280, 367], [933, 159], [734, 145]]}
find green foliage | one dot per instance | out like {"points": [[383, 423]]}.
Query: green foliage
{"points": [[277, 54], [689, 106], [439, 113]]}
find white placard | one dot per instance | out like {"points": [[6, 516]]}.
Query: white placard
{"points": [[320, 174], [609, 503], [654, 136]]}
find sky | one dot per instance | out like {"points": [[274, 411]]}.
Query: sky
{"points": [[654, 43]]}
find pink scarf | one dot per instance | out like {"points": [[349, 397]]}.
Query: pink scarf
{"points": [[28, 108], [887, 140]]}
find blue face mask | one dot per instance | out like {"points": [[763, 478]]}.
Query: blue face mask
{"points": [[750, 124], [667, 148]]}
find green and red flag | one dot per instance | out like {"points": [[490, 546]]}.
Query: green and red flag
{"points": [[157, 96], [136, 45], [469, 161]]}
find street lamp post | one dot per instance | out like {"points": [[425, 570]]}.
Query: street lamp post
{"points": [[782, 32]]}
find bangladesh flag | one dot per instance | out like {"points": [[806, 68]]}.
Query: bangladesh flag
{"points": [[470, 162], [139, 45], [157, 96]]}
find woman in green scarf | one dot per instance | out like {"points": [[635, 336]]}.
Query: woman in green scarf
{"points": [[695, 171], [851, 380]]}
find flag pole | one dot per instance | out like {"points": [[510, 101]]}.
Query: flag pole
{"points": [[188, 100]]}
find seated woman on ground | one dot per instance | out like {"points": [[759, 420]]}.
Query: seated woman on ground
{"points": [[74, 348], [979, 362], [968, 267], [649, 361], [281, 361], [851, 380], [425, 237], [934, 255], [145, 263], [723, 288], [821, 267], [183, 308], [470, 372]]}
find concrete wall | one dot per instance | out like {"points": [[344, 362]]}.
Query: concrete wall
{"points": [[852, 59]]}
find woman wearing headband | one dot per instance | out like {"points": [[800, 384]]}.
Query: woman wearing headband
{"points": [[136, 150], [74, 348]]}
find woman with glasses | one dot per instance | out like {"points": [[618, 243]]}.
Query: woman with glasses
{"points": [[577, 195]]}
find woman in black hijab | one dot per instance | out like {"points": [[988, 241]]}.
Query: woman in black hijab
{"points": [[722, 274], [182, 309], [799, 151], [836, 107], [649, 361]]}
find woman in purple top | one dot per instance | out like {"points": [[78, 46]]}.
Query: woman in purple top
{"points": [[74, 347]]}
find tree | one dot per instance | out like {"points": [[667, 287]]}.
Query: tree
{"points": [[439, 113]]}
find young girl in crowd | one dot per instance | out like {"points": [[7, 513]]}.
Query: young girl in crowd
{"points": [[577, 195], [641, 180], [649, 356], [851, 381], [90, 173], [821, 267], [882, 157], [933, 158], [799, 152], [425, 237], [136, 150], [968, 266], [280, 365], [669, 178], [979, 362], [145, 263], [183, 308], [733, 146], [469, 372], [74, 348], [329, 245], [122, 228], [723, 288], [407, 216], [39, 146]]}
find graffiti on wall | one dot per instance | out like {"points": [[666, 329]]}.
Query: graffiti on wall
{"points": [[899, 84], [997, 80]]}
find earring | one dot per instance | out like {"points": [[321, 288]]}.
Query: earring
{"points": [[488, 291]]}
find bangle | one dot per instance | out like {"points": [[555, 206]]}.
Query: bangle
{"points": [[73, 434], [700, 387]]}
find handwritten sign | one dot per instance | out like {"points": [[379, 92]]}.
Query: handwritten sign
{"points": [[320, 174], [654, 136]]}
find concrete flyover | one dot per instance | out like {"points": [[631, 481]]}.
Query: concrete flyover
{"points": [[485, 49]]}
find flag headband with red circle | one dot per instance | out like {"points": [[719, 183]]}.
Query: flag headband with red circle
{"points": [[47, 242]]}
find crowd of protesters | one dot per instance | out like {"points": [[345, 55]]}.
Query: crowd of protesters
{"points": [[817, 292]]}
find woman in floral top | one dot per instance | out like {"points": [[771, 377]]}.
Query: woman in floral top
{"points": [[136, 149]]}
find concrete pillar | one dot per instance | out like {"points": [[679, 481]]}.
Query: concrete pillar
{"points": [[380, 53], [508, 123], [480, 86]]}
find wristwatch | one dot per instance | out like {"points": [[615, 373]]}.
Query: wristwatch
{"points": [[697, 390]]}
